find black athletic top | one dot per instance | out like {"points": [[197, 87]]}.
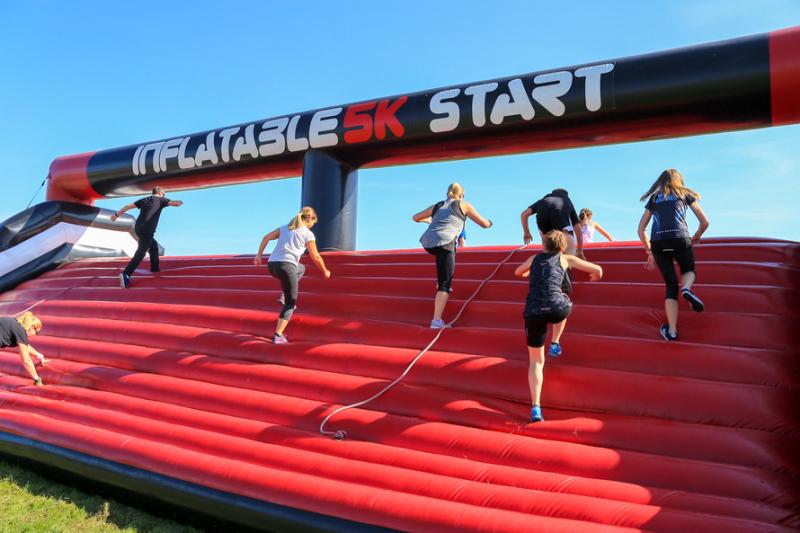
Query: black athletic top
{"points": [[12, 333], [149, 212], [554, 211], [545, 295], [669, 216]]}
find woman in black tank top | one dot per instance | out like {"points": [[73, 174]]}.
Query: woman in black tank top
{"points": [[547, 304]]}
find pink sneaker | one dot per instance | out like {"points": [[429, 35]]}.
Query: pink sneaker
{"points": [[279, 339]]}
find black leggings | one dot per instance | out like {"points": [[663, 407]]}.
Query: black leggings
{"points": [[289, 275], [536, 325], [445, 267], [667, 251], [147, 245]]}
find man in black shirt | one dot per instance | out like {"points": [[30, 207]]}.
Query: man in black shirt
{"points": [[555, 211], [149, 212]]}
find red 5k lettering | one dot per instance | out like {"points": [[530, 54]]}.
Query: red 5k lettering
{"points": [[360, 122]]}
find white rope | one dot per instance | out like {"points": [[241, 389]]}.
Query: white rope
{"points": [[341, 434]]}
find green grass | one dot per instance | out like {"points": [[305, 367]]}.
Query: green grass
{"points": [[32, 503]]}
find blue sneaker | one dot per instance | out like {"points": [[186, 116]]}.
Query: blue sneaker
{"points": [[536, 414], [124, 281], [438, 324], [694, 301], [665, 333], [555, 349]]}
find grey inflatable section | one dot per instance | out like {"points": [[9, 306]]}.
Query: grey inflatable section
{"points": [[50, 234]]}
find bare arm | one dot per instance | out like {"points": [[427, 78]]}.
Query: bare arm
{"points": [[271, 236], [643, 222], [116, 215], [595, 271], [38, 354], [524, 270], [701, 216], [314, 253], [472, 213], [425, 220], [24, 353], [526, 232], [426, 213], [175, 203], [603, 232]]}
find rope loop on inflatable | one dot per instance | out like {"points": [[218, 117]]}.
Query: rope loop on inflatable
{"points": [[341, 434]]}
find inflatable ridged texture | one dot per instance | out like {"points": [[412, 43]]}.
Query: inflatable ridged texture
{"points": [[176, 376]]}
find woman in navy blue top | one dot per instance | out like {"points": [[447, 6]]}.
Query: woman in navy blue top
{"points": [[548, 304], [668, 200]]}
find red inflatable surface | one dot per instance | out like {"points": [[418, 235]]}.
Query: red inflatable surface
{"points": [[175, 376]]}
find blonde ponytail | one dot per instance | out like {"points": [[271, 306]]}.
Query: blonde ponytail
{"points": [[306, 213], [28, 320], [455, 191]]}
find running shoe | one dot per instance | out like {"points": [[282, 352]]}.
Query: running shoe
{"points": [[437, 324], [665, 333], [536, 414], [279, 339], [124, 281], [689, 296], [555, 349]]}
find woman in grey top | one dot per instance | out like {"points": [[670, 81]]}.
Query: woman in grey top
{"points": [[447, 222]]}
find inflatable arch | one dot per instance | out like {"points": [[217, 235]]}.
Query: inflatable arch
{"points": [[169, 391], [744, 83]]}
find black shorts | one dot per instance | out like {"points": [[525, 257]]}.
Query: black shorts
{"points": [[536, 325]]}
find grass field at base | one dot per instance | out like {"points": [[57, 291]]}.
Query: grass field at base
{"points": [[33, 503]]}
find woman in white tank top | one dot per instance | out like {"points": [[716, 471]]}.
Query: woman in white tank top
{"points": [[284, 262]]}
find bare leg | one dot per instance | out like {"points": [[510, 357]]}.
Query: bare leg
{"points": [[687, 280], [439, 304], [671, 307], [558, 329], [536, 373], [572, 244], [281, 326]]}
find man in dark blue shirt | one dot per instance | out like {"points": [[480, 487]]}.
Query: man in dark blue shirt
{"points": [[150, 209]]}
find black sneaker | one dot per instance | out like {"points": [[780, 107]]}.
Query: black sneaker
{"points": [[124, 281], [665, 333], [689, 296]]}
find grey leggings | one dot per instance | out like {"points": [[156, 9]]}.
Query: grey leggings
{"points": [[289, 275]]}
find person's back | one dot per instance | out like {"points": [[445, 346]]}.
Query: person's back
{"points": [[546, 277], [291, 244], [11, 332], [447, 223], [669, 216], [554, 211]]}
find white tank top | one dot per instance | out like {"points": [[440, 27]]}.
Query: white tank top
{"points": [[588, 232], [291, 244]]}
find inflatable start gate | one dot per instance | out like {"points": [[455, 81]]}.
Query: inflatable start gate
{"points": [[169, 390]]}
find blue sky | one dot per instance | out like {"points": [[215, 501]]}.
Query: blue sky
{"points": [[88, 75]]}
